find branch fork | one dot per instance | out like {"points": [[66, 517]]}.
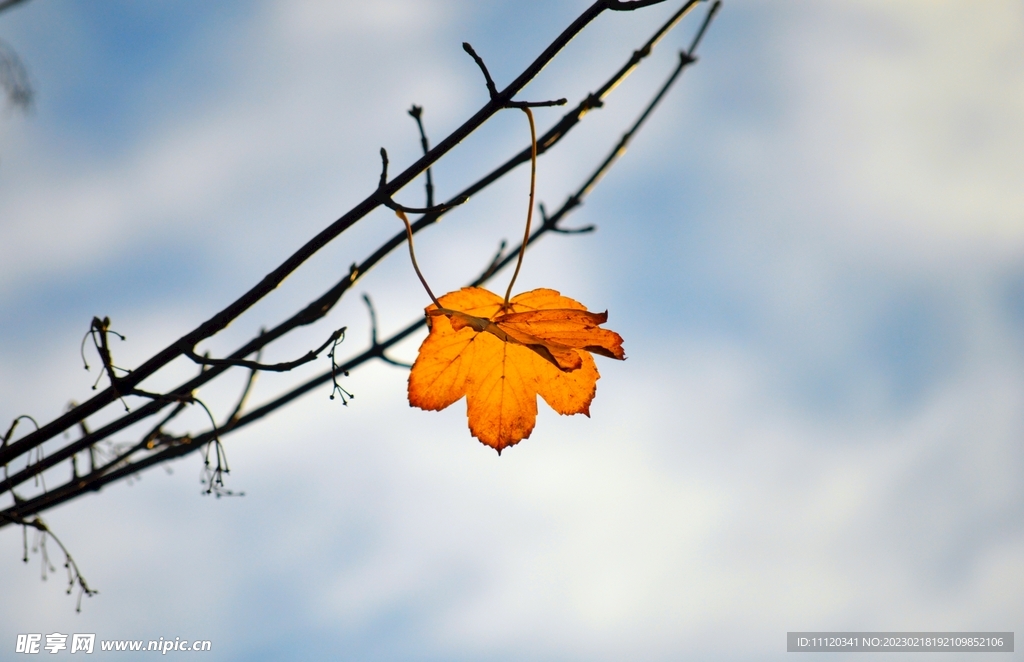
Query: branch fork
{"points": [[492, 90]]}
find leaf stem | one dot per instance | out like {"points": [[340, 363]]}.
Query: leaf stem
{"points": [[529, 211], [408, 231]]}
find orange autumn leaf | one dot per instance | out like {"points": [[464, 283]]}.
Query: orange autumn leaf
{"points": [[501, 360]]}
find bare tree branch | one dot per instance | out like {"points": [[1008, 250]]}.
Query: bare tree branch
{"points": [[270, 282], [172, 448], [158, 446]]}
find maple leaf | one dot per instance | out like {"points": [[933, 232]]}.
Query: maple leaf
{"points": [[501, 359]]}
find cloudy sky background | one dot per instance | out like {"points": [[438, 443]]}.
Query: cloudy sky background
{"points": [[815, 253]]}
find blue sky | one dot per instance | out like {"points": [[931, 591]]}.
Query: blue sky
{"points": [[814, 251]]}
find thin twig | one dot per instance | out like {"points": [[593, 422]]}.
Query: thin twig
{"points": [[429, 209], [417, 114], [269, 367], [246, 392], [537, 104], [147, 440], [374, 344], [436, 209], [554, 227], [491, 89], [704, 25], [493, 265]]}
